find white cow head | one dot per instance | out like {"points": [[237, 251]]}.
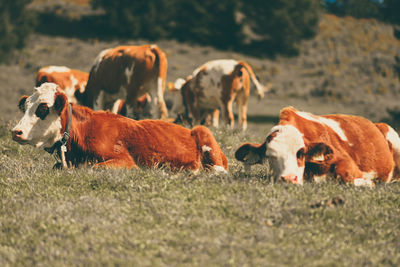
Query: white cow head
{"points": [[175, 98], [40, 125], [288, 154]]}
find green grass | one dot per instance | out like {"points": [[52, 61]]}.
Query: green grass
{"points": [[152, 217]]}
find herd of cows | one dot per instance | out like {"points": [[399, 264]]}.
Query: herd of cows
{"points": [[86, 117]]}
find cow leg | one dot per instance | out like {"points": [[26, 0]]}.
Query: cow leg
{"points": [[117, 163], [228, 113], [131, 102], [159, 100], [349, 172], [212, 156], [242, 101], [196, 114], [98, 101], [215, 118]]}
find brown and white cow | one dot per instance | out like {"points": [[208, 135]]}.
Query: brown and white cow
{"points": [[69, 80], [214, 86], [112, 140], [128, 73], [305, 146]]}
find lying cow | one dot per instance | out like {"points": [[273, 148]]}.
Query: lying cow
{"points": [[127, 72], [69, 80], [214, 86], [305, 146], [112, 140]]}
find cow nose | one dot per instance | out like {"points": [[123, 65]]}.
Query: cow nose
{"points": [[17, 134], [290, 178]]}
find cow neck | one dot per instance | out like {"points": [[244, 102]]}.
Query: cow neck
{"points": [[64, 139]]}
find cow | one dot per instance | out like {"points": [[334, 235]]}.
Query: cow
{"points": [[73, 83], [128, 73], [214, 86], [81, 135], [304, 146], [69, 80]]}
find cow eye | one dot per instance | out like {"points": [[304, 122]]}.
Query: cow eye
{"points": [[21, 107], [22, 104], [300, 153], [42, 111]]}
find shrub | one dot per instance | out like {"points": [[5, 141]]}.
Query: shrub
{"points": [[15, 26], [148, 19], [281, 24]]}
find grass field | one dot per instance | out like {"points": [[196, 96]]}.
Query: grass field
{"points": [[152, 217]]}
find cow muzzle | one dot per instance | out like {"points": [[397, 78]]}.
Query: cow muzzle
{"points": [[291, 178], [18, 136]]}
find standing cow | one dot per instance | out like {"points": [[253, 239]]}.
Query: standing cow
{"points": [[214, 86], [305, 146], [128, 72], [71, 81], [80, 134]]}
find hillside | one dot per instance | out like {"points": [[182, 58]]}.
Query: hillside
{"points": [[154, 217], [351, 66]]}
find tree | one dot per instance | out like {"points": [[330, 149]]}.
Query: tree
{"points": [[15, 26], [355, 8], [147, 19], [281, 24], [207, 22], [391, 11]]}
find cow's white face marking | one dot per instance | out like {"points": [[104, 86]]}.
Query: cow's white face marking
{"points": [[334, 125], [282, 152], [129, 73], [177, 102], [51, 69], [35, 131]]}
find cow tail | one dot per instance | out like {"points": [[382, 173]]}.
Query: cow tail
{"points": [[161, 61], [393, 138], [260, 89]]}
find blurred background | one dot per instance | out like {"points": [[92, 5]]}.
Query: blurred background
{"points": [[322, 56]]}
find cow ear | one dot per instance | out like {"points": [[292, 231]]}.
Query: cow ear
{"points": [[319, 153], [60, 101], [21, 103], [251, 154]]}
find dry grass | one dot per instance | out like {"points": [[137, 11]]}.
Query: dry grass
{"points": [[152, 217]]}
